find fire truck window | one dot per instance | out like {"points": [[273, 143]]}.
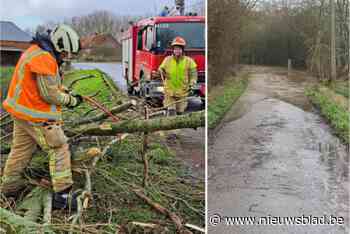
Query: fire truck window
{"points": [[139, 40], [149, 38], [193, 33]]}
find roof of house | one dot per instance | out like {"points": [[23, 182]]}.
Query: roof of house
{"points": [[8, 48], [97, 40], [11, 32]]}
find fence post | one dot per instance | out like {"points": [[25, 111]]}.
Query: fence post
{"points": [[289, 66]]}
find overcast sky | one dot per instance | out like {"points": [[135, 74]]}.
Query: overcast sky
{"points": [[30, 13]]}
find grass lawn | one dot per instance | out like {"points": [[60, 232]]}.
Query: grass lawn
{"points": [[337, 115], [5, 78], [222, 97], [341, 87]]}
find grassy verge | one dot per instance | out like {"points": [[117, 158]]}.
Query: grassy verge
{"points": [[5, 78], [341, 87], [222, 97], [336, 114]]}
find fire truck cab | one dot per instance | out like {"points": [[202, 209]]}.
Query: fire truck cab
{"points": [[145, 45]]}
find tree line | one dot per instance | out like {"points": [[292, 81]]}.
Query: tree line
{"points": [[106, 22], [99, 21], [226, 19], [273, 31]]}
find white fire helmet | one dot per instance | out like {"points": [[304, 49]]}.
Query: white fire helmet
{"points": [[65, 39]]}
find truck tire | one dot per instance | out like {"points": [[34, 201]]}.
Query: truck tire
{"points": [[202, 103], [142, 92], [130, 90]]}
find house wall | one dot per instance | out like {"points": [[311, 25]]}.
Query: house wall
{"points": [[16, 44], [9, 58]]}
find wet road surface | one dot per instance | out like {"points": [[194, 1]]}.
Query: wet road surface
{"points": [[274, 156]]}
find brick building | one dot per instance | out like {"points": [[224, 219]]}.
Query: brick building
{"points": [[100, 47], [13, 41]]}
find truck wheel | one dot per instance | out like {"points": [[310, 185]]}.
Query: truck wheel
{"points": [[142, 92], [130, 90], [203, 103]]}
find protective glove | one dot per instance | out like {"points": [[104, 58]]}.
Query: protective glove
{"points": [[75, 100], [162, 74], [65, 89], [191, 91]]}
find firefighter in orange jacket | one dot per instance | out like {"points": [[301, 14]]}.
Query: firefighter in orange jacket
{"points": [[34, 100]]}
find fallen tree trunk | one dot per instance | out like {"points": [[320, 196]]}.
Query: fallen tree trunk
{"points": [[191, 120]]}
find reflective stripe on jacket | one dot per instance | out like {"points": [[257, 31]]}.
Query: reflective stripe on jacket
{"points": [[23, 99]]}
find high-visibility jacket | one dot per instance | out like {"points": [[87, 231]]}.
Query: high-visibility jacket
{"points": [[179, 75], [23, 99]]}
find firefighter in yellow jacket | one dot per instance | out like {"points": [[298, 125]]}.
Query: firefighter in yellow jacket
{"points": [[34, 100], [180, 74]]}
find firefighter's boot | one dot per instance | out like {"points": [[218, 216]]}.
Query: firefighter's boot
{"points": [[65, 200]]}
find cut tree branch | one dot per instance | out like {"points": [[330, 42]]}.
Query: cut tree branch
{"points": [[174, 217], [144, 154], [103, 116]]}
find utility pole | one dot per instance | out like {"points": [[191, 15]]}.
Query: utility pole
{"points": [[180, 5], [333, 52], [349, 40]]}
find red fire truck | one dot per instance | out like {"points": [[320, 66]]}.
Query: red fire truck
{"points": [[146, 43]]}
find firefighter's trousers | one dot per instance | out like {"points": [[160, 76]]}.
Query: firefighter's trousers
{"points": [[51, 139], [176, 103]]}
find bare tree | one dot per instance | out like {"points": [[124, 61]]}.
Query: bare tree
{"points": [[100, 22], [333, 52], [225, 21], [298, 29]]}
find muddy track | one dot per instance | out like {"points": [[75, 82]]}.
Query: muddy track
{"points": [[273, 155], [190, 146]]}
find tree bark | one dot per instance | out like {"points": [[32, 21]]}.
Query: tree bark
{"points": [[191, 120], [333, 46]]}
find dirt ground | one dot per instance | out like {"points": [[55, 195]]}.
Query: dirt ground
{"points": [[190, 146], [273, 155]]}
